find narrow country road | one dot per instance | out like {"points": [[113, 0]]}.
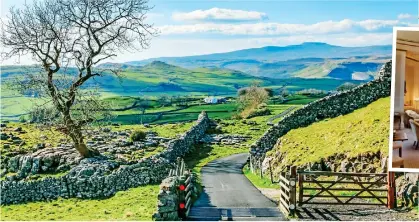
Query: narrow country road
{"points": [[229, 195]]}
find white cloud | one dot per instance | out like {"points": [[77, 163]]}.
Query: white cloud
{"points": [[219, 14], [407, 16], [371, 25], [256, 29]]}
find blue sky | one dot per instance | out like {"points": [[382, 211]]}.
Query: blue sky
{"points": [[207, 26]]}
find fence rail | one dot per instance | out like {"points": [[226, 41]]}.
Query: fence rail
{"points": [[363, 188], [185, 193], [287, 197], [334, 188]]}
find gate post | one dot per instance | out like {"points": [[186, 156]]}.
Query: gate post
{"points": [[391, 190], [251, 164], [293, 191], [300, 189]]}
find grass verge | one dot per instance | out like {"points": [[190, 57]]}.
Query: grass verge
{"points": [[134, 204], [257, 181]]}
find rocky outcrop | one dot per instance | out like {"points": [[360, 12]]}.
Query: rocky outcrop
{"points": [[99, 177], [328, 107], [226, 139], [45, 160]]}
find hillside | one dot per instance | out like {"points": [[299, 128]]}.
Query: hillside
{"points": [[341, 135], [307, 60], [162, 78], [159, 78]]}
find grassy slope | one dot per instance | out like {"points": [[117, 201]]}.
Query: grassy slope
{"points": [[133, 204], [319, 70], [364, 130]]}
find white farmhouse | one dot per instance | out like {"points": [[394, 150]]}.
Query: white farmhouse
{"points": [[211, 100]]}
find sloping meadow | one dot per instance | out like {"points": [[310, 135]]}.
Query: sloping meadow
{"points": [[362, 130], [362, 134]]}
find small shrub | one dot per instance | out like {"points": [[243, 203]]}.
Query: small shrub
{"points": [[262, 106], [236, 116], [22, 119], [137, 135], [256, 112]]}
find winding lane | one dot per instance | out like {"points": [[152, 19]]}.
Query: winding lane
{"points": [[229, 195]]}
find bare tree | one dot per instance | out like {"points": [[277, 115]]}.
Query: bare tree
{"points": [[67, 39]]}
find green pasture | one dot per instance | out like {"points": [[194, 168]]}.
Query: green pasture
{"points": [[343, 134]]}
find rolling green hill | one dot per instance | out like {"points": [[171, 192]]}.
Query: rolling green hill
{"points": [[159, 78]]}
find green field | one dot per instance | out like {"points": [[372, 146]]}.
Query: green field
{"points": [[134, 204], [297, 99], [156, 79]]}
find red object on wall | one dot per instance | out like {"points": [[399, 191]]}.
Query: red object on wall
{"points": [[182, 187]]}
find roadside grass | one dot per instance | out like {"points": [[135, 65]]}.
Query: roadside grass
{"points": [[134, 204], [258, 182], [343, 134]]}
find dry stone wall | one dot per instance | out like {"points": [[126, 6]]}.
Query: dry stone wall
{"points": [[328, 107], [408, 189], [102, 177]]}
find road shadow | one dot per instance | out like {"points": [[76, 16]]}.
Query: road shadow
{"points": [[348, 213]]}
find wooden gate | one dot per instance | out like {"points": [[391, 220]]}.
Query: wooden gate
{"points": [[185, 193], [287, 198], [346, 188]]}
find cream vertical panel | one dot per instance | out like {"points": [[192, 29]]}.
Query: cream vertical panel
{"points": [[416, 85], [408, 98], [399, 84]]}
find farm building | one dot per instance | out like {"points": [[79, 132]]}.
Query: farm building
{"points": [[214, 100]]}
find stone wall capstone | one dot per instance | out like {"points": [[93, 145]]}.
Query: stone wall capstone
{"points": [[101, 177], [327, 107]]}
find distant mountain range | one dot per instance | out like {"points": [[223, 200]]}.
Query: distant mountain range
{"points": [[309, 65], [307, 60]]}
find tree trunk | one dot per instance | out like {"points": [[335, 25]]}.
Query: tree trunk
{"points": [[77, 137]]}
